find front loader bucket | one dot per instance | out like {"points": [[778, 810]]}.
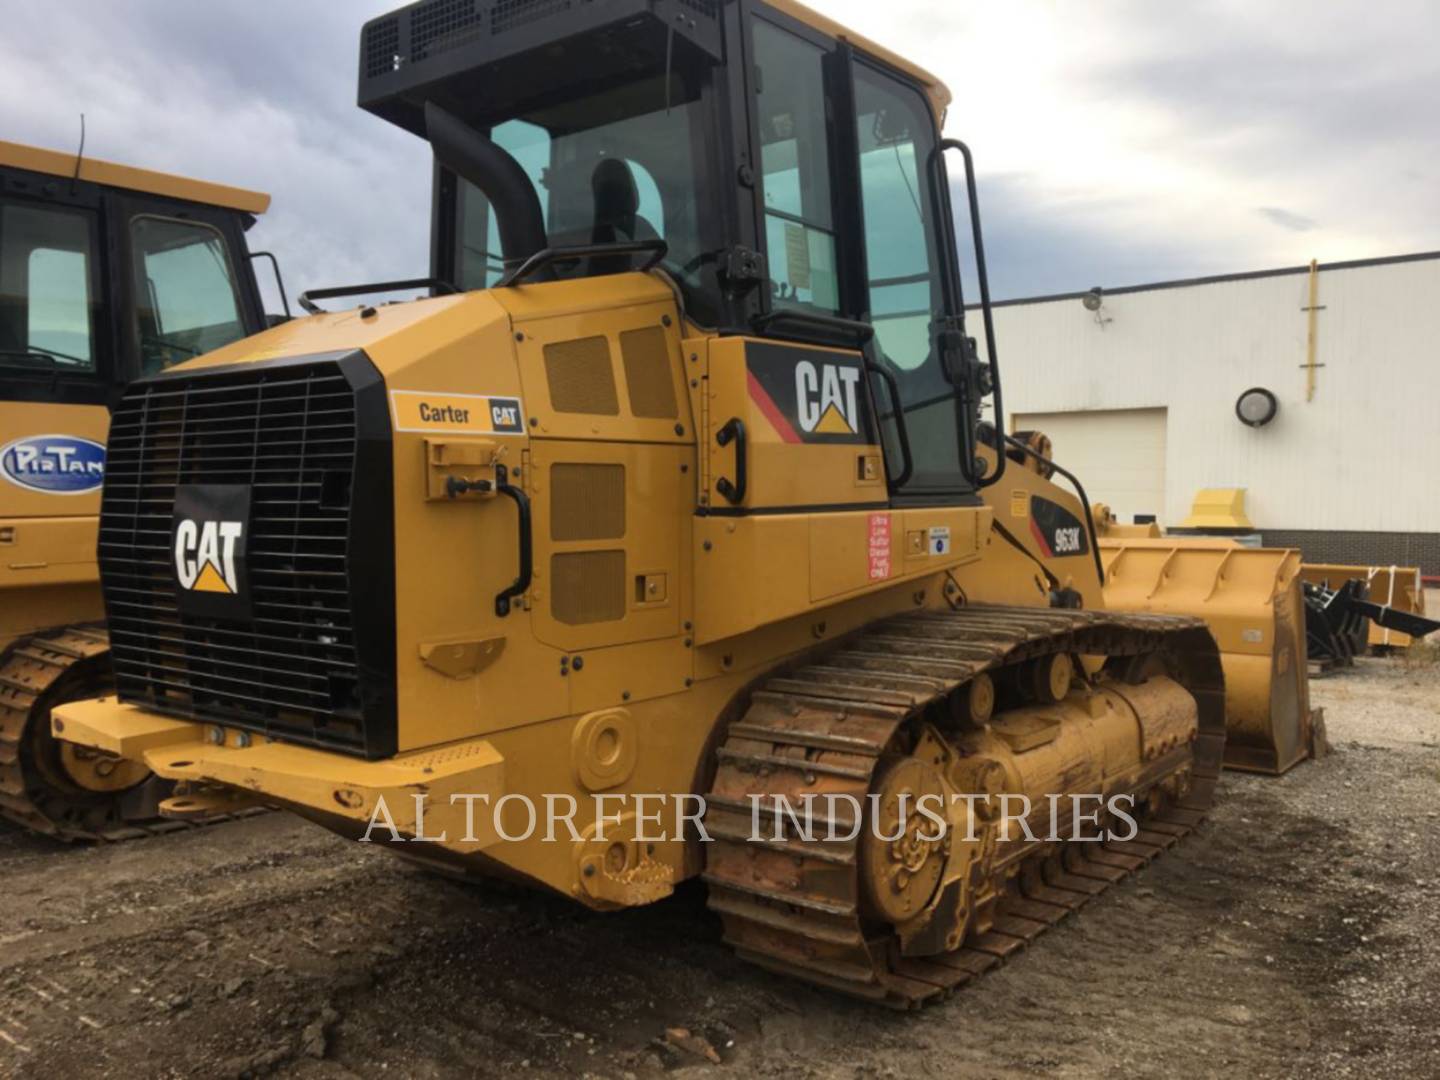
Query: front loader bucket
{"points": [[1251, 600]]}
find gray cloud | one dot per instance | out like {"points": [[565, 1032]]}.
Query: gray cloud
{"points": [[1286, 219], [1317, 115]]}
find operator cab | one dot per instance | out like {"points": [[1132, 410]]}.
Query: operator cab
{"points": [[788, 176], [109, 273]]}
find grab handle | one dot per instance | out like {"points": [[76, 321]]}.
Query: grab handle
{"points": [[734, 430], [527, 556]]}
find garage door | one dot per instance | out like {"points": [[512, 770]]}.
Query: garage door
{"points": [[1118, 454]]}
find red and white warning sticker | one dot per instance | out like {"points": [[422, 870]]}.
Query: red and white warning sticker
{"points": [[879, 546]]}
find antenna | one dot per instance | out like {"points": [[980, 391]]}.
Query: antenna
{"points": [[79, 157]]}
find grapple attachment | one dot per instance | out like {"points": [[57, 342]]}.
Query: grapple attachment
{"points": [[1396, 587]]}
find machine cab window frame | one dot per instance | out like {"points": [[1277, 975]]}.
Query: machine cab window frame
{"points": [[145, 345], [121, 208], [696, 272], [91, 382]]}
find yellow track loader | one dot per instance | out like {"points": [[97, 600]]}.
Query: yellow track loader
{"points": [[668, 518], [107, 273]]}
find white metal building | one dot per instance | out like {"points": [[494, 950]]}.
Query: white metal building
{"points": [[1139, 398]]}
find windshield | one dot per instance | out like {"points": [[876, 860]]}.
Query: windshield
{"points": [[617, 166]]}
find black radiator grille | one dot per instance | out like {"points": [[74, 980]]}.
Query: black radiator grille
{"points": [[297, 666]]}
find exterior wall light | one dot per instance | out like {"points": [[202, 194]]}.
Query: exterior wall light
{"points": [[1256, 407]]}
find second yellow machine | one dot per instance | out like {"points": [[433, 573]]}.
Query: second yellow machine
{"points": [[679, 490], [107, 273]]}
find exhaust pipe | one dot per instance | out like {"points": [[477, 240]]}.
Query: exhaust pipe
{"points": [[473, 157]]}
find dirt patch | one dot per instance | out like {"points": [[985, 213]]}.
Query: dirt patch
{"points": [[1297, 933]]}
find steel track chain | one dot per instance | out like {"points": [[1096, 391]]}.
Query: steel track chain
{"points": [[794, 905]]}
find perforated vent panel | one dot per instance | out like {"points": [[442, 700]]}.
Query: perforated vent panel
{"points": [[382, 47], [443, 24], [587, 502], [581, 377], [508, 14], [646, 355], [587, 586]]}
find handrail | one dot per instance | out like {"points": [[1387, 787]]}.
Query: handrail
{"points": [[656, 249], [985, 308], [1079, 490], [902, 433], [279, 281], [309, 296]]}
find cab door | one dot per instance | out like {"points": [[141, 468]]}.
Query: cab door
{"points": [[831, 450], [790, 420]]}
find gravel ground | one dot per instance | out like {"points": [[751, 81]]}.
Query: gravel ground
{"points": [[1296, 934]]}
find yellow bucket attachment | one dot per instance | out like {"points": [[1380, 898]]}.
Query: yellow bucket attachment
{"points": [[1108, 525], [1218, 508], [1251, 599], [1397, 587]]}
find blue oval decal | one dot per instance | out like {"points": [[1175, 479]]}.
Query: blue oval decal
{"points": [[54, 464]]}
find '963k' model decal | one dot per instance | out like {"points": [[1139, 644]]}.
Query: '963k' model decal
{"points": [[1057, 530], [810, 395], [208, 544]]}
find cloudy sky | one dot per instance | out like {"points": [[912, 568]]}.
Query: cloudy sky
{"points": [[1118, 141]]}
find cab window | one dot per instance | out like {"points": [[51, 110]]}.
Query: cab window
{"points": [[186, 302], [608, 168], [47, 288], [795, 171], [904, 268]]}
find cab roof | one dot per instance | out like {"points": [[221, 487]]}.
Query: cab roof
{"points": [[59, 163], [937, 91]]}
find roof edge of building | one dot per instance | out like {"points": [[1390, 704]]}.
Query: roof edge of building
{"points": [[1216, 279]]}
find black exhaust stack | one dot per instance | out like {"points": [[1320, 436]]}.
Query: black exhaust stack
{"points": [[473, 157]]}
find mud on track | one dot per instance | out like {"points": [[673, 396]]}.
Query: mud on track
{"points": [[1297, 933]]}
